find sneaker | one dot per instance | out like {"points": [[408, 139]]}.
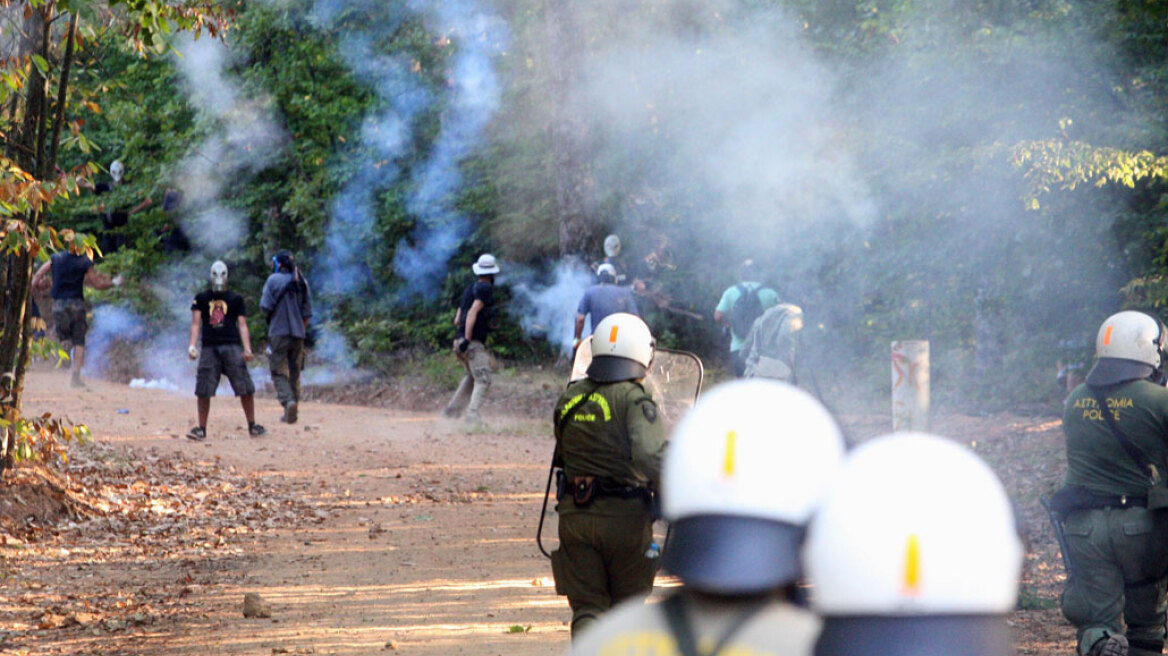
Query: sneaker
{"points": [[255, 430], [290, 413], [198, 433], [1112, 645]]}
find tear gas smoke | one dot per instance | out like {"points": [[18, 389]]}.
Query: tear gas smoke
{"points": [[385, 138], [247, 140], [547, 304], [717, 123], [421, 260], [474, 98], [111, 324]]}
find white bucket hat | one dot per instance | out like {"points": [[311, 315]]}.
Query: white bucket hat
{"points": [[486, 265]]}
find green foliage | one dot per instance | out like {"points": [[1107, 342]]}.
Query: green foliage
{"points": [[1002, 230], [44, 438]]}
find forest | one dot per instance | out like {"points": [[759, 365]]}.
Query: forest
{"points": [[981, 174], [985, 175]]}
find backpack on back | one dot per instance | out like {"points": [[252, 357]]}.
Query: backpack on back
{"points": [[746, 309]]}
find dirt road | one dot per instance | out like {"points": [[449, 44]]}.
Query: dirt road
{"points": [[419, 535], [367, 530]]}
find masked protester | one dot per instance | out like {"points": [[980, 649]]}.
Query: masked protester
{"points": [[70, 274], [738, 489], [219, 316], [1112, 508], [914, 552], [287, 304], [473, 323]]}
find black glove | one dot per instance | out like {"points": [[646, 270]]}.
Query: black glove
{"points": [[463, 345]]}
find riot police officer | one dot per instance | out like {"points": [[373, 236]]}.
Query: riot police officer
{"points": [[609, 443], [744, 472], [1116, 427], [915, 551]]}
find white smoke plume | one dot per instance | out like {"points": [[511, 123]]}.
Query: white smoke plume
{"points": [[546, 305], [732, 103], [385, 138], [479, 36], [247, 139]]}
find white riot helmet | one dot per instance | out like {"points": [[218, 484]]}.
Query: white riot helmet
{"points": [[117, 170], [742, 476], [612, 246], [1129, 346], [622, 348], [218, 276], [915, 551]]}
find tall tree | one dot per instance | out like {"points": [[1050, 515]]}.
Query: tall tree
{"points": [[569, 135], [36, 98]]}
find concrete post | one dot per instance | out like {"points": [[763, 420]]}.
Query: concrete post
{"points": [[910, 385]]}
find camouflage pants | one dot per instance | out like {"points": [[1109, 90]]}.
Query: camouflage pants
{"points": [[472, 389], [1112, 585]]}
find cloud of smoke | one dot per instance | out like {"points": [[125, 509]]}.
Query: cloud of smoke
{"points": [[864, 187], [729, 104], [385, 139], [111, 324], [479, 36], [546, 304], [248, 139]]}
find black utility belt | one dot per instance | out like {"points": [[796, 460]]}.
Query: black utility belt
{"points": [[1118, 501], [585, 489], [1076, 497]]}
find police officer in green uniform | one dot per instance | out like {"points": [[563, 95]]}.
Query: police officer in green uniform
{"points": [[609, 442], [1115, 476]]}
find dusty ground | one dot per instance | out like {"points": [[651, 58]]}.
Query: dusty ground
{"points": [[367, 529]]}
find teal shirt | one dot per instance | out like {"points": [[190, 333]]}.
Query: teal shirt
{"points": [[1095, 458], [766, 296]]}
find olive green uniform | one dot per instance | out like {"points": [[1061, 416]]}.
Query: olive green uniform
{"points": [[610, 433], [1108, 543], [778, 629]]}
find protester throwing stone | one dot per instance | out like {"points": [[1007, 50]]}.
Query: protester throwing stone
{"points": [[71, 272], [220, 317]]}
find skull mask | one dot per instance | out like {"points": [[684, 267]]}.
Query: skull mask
{"points": [[117, 170], [218, 276], [612, 246]]}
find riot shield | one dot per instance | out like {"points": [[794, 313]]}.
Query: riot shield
{"points": [[674, 379]]}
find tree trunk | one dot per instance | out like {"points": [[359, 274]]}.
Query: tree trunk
{"points": [[573, 172], [29, 153]]}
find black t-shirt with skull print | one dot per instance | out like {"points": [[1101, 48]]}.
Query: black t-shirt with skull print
{"points": [[220, 314]]}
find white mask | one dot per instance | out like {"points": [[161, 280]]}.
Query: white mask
{"points": [[218, 276], [117, 170]]}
